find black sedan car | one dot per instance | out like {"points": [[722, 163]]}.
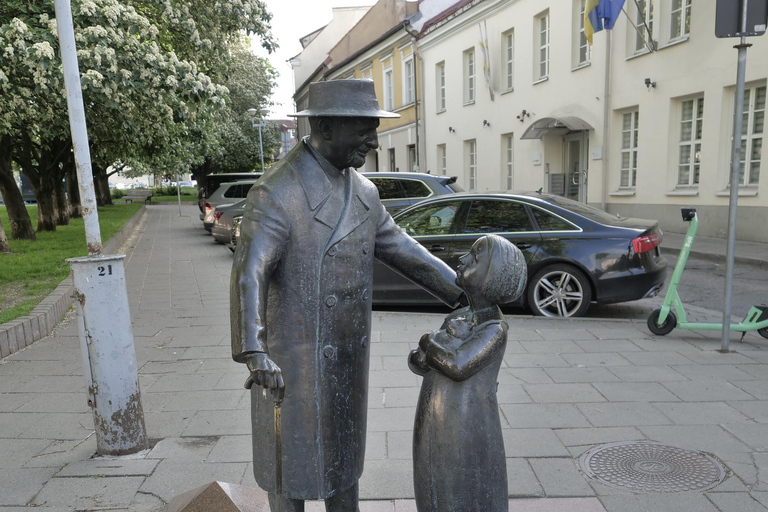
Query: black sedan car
{"points": [[576, 254]]}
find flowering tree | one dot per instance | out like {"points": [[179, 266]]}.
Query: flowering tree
{"points": [[144, 101]]}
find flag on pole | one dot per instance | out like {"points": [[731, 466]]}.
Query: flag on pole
{"points": [[486, 58], [599, 15]]}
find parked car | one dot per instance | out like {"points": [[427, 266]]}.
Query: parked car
{"points": [[576, 254], [222, 221], [214, 181], [227, 193], [235, 236], [397, 190]]}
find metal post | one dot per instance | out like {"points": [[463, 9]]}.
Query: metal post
{"points": [[261, 147], [735, 167], [106, 341], [178, 191]]}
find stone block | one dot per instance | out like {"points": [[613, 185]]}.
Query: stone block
{"points": [[220, 496], [5, 348], [35, 323], [13, 345]]}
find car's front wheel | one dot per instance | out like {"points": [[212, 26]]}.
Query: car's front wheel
{"points": [[559, 291]]}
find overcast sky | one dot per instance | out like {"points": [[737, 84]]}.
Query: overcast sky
{"points": [[292, 19]]}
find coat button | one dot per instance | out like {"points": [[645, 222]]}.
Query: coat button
{"points": [[364, 342], [330, 301], [365, 294], [365, 248], [328, 351], [332, 251]]}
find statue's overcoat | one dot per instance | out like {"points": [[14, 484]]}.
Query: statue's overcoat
{"points": [[301, 292]]}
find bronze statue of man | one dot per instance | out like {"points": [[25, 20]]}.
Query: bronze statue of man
{"points": [[301, 300]]}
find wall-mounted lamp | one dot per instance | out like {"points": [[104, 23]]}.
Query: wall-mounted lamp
{"points": [[486, 123], [451, 130], [649, 84], [522, 115]]}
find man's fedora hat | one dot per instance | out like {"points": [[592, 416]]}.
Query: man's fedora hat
{"points": [[343, 98]]}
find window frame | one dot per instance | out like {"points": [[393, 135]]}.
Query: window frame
{"points": [[508, 59], [470, 149], [684, 25], [440, 85], [633, 150], [542, 56], [748, 135], [470, 76], [409, 85], [392, 160], [388, 83], [411, 152], [509, 160], [581, 38], [442, 159], [691, 145], [646, 8]]}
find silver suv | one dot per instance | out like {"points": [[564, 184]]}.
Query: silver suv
{"points": [[227, 193]]}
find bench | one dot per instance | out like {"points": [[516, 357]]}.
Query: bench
{"points": [[138, 193]]}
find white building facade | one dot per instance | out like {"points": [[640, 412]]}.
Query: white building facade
{"points": [[637, 125]]}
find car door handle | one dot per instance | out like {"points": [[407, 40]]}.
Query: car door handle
{"points": [[436, 248], [523, 245]]}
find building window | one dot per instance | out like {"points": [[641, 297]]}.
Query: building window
{"points": [[542, 46], [752, 124], [411, 157], [408, 83], [470, 148], [389, 93], [441, 160], [680, 19], [583, 44], [508, 146], [629, 130], [469, 76], [508, 56], [440, 82], [644, 24], [391, 153], [689, 159]]}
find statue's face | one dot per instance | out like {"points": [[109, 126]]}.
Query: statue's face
{"points": [[473, 266], [351, 139]]}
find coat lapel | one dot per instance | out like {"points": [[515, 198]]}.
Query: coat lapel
{"points": [[356, 211], [316, 187]]}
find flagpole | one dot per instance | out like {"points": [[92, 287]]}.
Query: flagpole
{"points": [[645, 40]]}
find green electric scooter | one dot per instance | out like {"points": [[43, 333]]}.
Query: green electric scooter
{"points": [[664, 319]]}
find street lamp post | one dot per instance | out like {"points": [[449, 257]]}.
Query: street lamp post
{"points": [[252, 112]]}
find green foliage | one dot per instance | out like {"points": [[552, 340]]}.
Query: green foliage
{"points": [[36, 267], [116, 193]]}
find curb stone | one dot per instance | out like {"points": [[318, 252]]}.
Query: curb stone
{"points": [[25, 330]]}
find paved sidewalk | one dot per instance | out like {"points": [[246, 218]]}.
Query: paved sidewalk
{"points": [[565, 387]]}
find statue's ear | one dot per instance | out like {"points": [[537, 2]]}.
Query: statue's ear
{"points": [[325, 127]]}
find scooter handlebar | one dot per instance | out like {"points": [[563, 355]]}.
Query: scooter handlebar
{"points": [[688, 214]]}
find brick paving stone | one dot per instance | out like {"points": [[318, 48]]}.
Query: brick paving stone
{"points": [[521, 480], [89, 493], [387, 479], [627, 414], [701, 413], [707, 391], [754, 435], [21, 485], [575, 375], [560, 477], [741, 502], [682, 502], [725, 372], [563, 393], [556, 505], [232, 449], [635, 392], [169, 480], [595, 359], [100, 467], [551, 347], [647, 374], [543, 416], [595, 436], [533, 442]]}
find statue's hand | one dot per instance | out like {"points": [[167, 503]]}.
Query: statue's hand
{"points": [[264, 372], [417, 362], [426, 340]]}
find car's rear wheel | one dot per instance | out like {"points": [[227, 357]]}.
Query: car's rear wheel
{"points": [[559, 291]]}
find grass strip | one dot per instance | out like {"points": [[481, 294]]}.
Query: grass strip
{"points": [[36, 267]]}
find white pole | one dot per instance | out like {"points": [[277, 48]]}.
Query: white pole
{"points": [[106, 340]]}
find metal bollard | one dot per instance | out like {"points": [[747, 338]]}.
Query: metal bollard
{"points": [[109, 357]]}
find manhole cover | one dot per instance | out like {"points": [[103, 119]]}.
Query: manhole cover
{"points": [[646, 466]]}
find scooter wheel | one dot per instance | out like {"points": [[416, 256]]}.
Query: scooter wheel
{"points": [[665, 328], [763, 332]]}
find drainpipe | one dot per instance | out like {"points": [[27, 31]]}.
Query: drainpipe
{"points": [[414, 34], [606, 119]]}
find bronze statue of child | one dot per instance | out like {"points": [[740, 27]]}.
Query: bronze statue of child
{"points": [[458, 451]]}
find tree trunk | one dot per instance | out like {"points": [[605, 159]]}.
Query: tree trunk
{"points": [[21, 224], [73, 191], [60, 200], [101, 185], [45, 191], [4, 248]]}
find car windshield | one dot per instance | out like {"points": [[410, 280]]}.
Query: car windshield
{"points": [[582, 209]]}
